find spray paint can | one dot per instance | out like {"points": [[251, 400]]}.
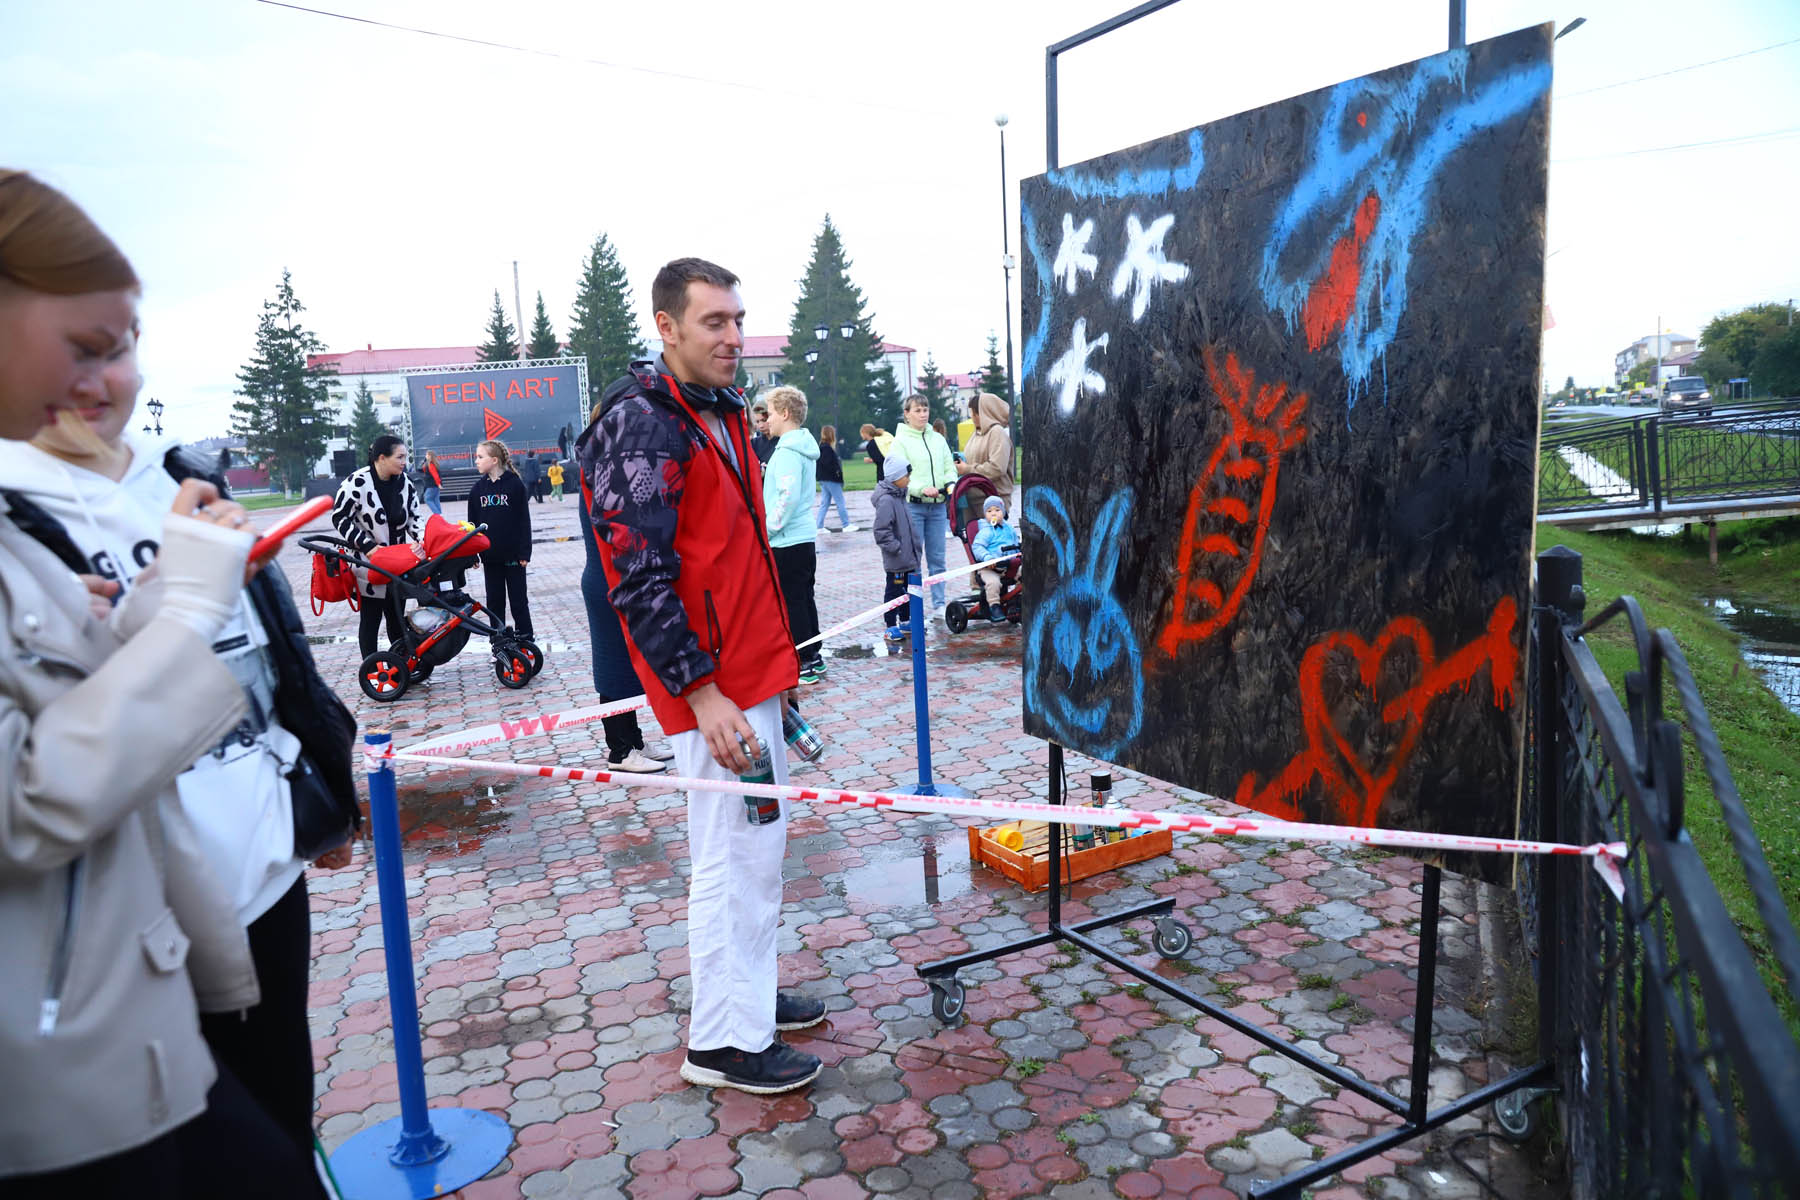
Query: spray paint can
{"points": [[759, 810], [801, 737], [1101, 784]]}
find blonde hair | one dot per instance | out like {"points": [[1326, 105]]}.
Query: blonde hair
{"points": [[790, 402], [49, 245], [499, 451], [866, 432]]}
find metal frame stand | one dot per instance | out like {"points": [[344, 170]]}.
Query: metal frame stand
{"points": [[1172, 941], [423, 1152]]}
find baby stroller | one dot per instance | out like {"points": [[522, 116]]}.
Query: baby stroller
{"points": [[439, 627], [966, 499]]}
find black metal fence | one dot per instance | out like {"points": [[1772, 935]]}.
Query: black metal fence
{"points": [[1677, 1073], [1736, 452]]}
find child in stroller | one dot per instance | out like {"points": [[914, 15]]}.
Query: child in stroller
{"points": [[968, 498], [439, 627]]}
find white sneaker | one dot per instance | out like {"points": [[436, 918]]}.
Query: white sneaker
{"points": [[658, 751], [636, 763], [852, 528]]}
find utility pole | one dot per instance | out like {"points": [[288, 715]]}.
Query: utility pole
{"points": [[518, 310]]}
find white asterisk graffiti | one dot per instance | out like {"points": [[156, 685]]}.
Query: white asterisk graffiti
{"points": [[1071, 374], [1072, 257], [1144, 262]]}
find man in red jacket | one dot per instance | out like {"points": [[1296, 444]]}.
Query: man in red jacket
{"points": [[676, 496]]}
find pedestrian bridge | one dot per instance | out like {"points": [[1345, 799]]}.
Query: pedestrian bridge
{"points": [[1737, 462]]}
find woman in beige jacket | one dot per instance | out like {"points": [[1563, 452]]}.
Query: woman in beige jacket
{"points": [[990, 451], [113, 932]]}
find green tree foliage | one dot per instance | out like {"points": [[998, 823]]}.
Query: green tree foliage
{"points": [[942, 396], [850, 383], [1756, 343], [542, 343], [744, 383], [284, 413], [502, 339], [993, 372], [1643, 374], [365, 426], [602, 325]]}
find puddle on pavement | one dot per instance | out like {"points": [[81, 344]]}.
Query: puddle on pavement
{"points": [[1771, 644], [451, 815], [912, 872]]}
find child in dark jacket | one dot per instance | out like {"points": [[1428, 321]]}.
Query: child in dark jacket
{"points": [[895, 535], [500, 501]]}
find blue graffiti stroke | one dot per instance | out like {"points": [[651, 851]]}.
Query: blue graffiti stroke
{"points": [[1086, 185], [1341, 174], [1085, 630]]}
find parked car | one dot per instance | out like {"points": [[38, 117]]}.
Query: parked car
{"points": [[1687, 394]]}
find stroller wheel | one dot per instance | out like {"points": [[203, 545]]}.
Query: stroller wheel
{"points": [[1015, 610], [383, 676], [956, 616], [531, 654], [421, 673], [512, 668]]}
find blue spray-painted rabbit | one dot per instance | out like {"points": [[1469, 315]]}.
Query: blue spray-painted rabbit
{"points": [[1080, 642]]}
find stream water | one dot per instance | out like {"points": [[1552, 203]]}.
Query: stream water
{"points": [[1771, 645]]}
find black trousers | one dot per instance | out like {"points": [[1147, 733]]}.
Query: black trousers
{"points": [[269, 1048], [506, 581], [795, 567], [230, 1151], [896, 587], [376, 610]]}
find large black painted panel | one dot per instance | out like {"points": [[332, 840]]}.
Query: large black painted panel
{"points": [[1280, 381]]}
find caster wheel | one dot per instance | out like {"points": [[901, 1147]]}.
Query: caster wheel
{"points": [[1516, 1115], [530, 652], [512, 669], [956, 616], [1015, 610], [421, 673], [383, 676], [947, 999], [1172, 938]]}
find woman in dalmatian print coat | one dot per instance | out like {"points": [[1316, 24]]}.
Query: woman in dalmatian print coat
{"points": [[378, 506]]}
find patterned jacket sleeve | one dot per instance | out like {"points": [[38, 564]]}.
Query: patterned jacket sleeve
{"points": [[415, 514], [344, 515], [637, 468]]}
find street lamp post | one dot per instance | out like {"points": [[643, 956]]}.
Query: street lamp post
{"points": [[1006, 258], [156, 411], [822, 333]]}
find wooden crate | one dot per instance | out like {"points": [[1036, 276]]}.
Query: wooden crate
{"points": [[1029, 865]]}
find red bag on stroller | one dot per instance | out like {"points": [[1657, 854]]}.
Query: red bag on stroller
{"points": [[332, 581]]}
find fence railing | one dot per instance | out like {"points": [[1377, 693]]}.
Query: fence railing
{"points": [[1677, 1073], [1642, 464]]}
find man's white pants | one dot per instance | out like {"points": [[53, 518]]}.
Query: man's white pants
{"points": [[734, 896]]}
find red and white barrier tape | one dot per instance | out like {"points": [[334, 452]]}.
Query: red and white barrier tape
{"points": [[871, 613], [1606, 855]]}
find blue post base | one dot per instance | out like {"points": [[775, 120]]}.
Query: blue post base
{"points": [[474, 1142], [926, 785], [938, 787]]}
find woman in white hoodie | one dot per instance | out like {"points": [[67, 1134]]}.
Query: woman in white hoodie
{"points": [[113, 929]]}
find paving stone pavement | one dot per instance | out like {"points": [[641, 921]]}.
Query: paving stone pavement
{"points": [[549, 928]]}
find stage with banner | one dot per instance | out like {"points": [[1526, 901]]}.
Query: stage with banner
{"points": [[527, 405]]}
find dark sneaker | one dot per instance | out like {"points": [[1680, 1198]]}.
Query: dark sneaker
{"points": [[780, 1068], [996, 614], [896, 634], [794, 1011]]}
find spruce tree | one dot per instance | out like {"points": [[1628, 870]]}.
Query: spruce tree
{"points": [[942, 396], [284, 414], [542, 342], [502, 339], [365, 426], [845, 385], [993, 372], [602, 325]]}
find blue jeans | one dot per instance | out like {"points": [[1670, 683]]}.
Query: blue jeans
{"points": [[828, 494], [431, 500], [931, 522]]}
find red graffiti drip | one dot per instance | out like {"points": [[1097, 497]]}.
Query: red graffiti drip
{"points": [[1355, 789], [1220, 537], [1362, 119], [1333, 295]]}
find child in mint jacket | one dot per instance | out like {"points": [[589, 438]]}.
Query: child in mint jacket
{"points": [[995, 539]]}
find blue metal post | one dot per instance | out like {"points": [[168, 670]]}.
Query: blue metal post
{"points": [[921, 695], [424, 1152]]}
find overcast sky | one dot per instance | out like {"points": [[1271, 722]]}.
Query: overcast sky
{"points": [[399, 175]]}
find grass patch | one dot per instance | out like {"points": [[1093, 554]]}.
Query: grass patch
{"points": [[1240, 1142], [1296, 919], [1226, 991], [1090, 1118], [267, 500], [1339, 1002], [1316, 980], [1135, 990], [1668, 576], [1303, 1127], [1029, 1067]]}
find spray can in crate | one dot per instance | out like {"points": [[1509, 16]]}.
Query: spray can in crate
{"points": [[1101, 784], [801, 737]]}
